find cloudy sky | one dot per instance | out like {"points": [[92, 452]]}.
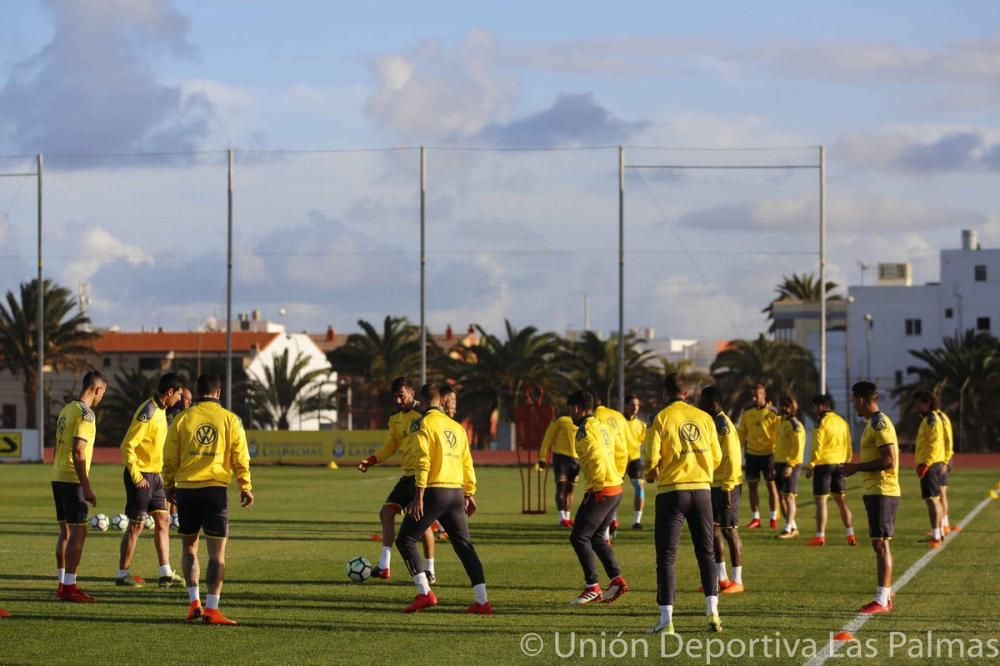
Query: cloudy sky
{"points": [[523, 105]]}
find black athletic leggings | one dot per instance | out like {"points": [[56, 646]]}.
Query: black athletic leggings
{"points": [[587, 537], [672, 509], [447, 506]]}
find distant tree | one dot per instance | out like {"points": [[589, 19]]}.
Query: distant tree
{"points": [[67, 338], [804, 288], [126, 390], [594, 366], [287, 384], [783, 367]]}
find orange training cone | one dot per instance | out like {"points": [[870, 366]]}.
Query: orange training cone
{"points": [[844, 636]]}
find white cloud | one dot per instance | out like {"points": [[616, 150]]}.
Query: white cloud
{"points": [[96, 248]]}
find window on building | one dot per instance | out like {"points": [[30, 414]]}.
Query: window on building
{"points": [[149, 362], [980, 272], [899, 378], [949, 313], [9, 416], [983, 324], [914, 327]]}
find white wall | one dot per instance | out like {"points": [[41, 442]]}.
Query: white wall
{"points": [[297, 343]]}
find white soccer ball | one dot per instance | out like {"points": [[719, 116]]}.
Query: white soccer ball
{"points": [[119, 522], [175, 521], [359, 569], [149, 523], [100, 522]]}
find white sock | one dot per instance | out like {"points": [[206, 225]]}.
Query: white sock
{"points": [[385, 557], [936, 534], [944, 522], [756, 515], [711, 606], [637, 517], [820, 535], [430, 564], [165, 570], [61, 575], [420, 580], [563, 515], [738, 574], [69, 579], [123, 573], [607, 534], [721, 566], [480, 592], [666, 615], [194, 594], [774, 515], [795, 525], [850, 531], [614, 516], [882, 595], [212, 601]]}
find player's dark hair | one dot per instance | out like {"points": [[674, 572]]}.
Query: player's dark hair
{"points": [[209, 383], [446, 390], [582, 399], [429, 393], [865, 391], [92, 379], [170, 380], [927, 398], [823, 400], [710, 399], [630, 397], [789, 399], [675, 384], [596, 395], [401, 383]]}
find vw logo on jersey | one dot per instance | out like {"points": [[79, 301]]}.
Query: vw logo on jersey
{"points": [[206, 434], [450, 438], [689, 432]]}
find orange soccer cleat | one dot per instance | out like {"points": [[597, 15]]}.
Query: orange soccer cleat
{"points": [[754, 524], [852, 540], [379, 572], [934, 544], [817, 541], [874, 608], [195, 611], [616, 588], [214, 616], [480, 609], [733, 588], [422, 601], [4, 614], [590, 594]]}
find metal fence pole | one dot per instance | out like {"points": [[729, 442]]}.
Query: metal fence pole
{"points": [[229, 280], [423, 266], [621, 278], [822, 270], [40, 317]]}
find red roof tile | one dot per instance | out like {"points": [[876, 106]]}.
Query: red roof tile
{"points": [[181, 343]]}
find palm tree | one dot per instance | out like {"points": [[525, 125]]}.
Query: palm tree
{"points": [[125, 392], [964, 372], [594, 364], [804, 288], [783, 367], [370, 360], [287, 384], [66, 339]]}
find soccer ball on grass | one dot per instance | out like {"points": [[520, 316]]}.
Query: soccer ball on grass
{"points": [[359, 569], [120, 522], [100, 522], [148, 522]]}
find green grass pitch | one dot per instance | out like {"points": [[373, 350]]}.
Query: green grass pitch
{"points": [[286, 582]]}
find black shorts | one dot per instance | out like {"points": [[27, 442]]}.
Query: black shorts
{"points": [[203, 509], [139, 503], [881, 510], [71, 508], [403, 492], [756, 466], [930, 485], [634, 469], [787, 485], [566, 469], [726, 514], [828, 479], [945, 474]]}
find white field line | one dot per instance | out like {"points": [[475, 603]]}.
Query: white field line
{"points": [[860, 620]]}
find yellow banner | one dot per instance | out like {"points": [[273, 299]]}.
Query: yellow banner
{"points": [[10, 444], [296, 447]]}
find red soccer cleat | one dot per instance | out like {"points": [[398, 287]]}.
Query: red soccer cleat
{"points": [[817, 541], [379, 572], [774, 524], [214, 616], [565, 523], [590, 594], [422, 601], [74, 594], [934, 544], [616, 588], [195, 611], [480, 609], [874, 608], [954, 528], [4, 614], [852, 540], [754, 524]]}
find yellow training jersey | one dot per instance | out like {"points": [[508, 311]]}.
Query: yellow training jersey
{"points": [[142, 447], [831, 441], [400, 426], [682, 447], [729, 474], [595, 448], [790, 446], [758, 430], [560, 437], [637, 435], [76, 421], [930, 440], [443, 457], [617, 426], [880, 432], [205, 446], [949, 440]]}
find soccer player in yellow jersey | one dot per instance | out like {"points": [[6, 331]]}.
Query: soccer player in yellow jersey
{"points": [[445, 486], [595, 446], [142, 455], [726, 489], [681, 454], [616, 424], [560, 440], [71, 490], [180, 406], [930, 457], [879, 460], [831, 448], [789, 451], [758, 429], [636, 433], [402, 424], [206, 445], [949, 453]]}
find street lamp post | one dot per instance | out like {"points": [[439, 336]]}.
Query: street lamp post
{"points": [[870, 321]]}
